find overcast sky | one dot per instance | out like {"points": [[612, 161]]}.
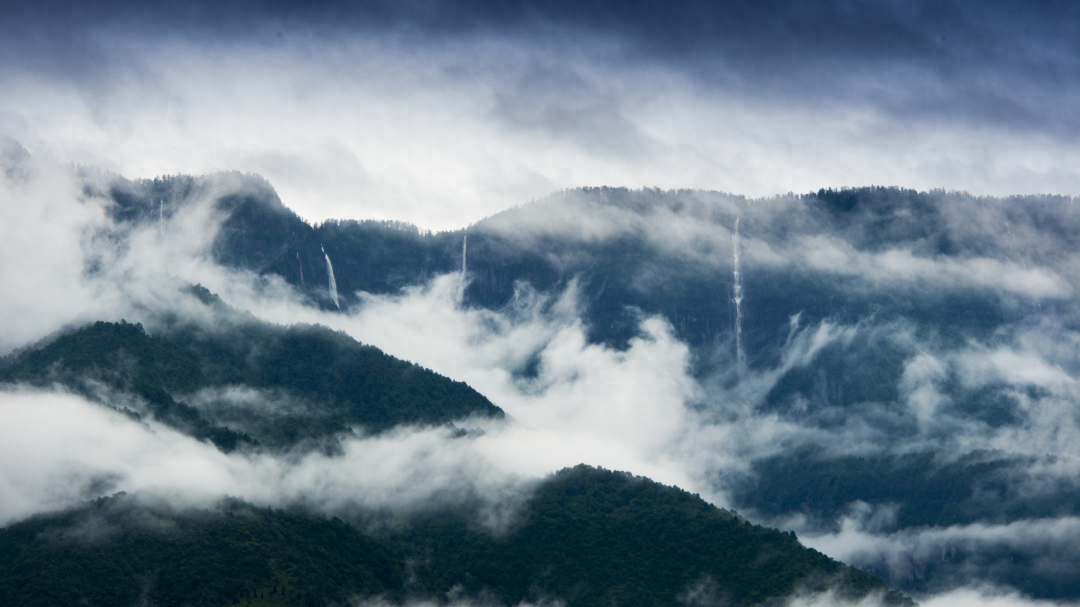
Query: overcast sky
{"points": [[442, 113]]}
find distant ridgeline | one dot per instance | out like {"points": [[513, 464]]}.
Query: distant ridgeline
{"points": [[629, 252], [251, 383], [589, 537]]}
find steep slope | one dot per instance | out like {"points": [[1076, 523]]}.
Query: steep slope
{"points": [[257, 232], [666, 252], [121, 551], [277, 386], [587, 536], [595, 537]]}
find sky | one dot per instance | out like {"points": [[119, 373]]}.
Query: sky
{"points": [[442, 113]]}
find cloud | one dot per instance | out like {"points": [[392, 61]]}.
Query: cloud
{"points": [[983, 596], [60, 449], [45, 231], [443, 113], [641, 409], [587, 403], [987, 597], [634, 409], [898, 267], [584, 402], [1035, 550]]}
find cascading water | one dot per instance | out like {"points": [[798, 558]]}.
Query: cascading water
{"points": [[737, 297], [301, 266], [332, 287], [161, 217], [463, 283]]}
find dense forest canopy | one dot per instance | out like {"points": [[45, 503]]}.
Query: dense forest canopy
{"points": [[587, 536], [184, 377]]}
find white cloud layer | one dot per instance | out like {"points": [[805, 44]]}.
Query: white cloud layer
{"points": [[451, 130]]}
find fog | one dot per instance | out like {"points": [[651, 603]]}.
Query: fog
{"points": [[445, 117], [641, 408], [442, 127]]}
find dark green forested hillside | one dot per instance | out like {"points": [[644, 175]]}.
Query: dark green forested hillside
{"points": [[121, 551], [587, 536], [320, 381], [597, 538]]}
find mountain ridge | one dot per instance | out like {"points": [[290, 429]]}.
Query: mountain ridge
{"points": [[579, 538], [333, 382]]}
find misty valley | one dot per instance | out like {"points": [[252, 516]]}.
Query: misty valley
{"points": [[605, 396]]}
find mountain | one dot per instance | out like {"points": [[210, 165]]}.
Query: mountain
{"points": [[665, 252], [246, 382], [595, 537], [586, 536], [919, 346], [889, 364], [120, 551]]}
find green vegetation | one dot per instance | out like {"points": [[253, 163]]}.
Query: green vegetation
{"points": [[590, 537], [628, 263], [598, 538], [118, 551], [628, 273], [328, 382]]}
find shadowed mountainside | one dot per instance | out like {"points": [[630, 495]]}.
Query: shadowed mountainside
{"points": [[587, 536], [251, 382]]}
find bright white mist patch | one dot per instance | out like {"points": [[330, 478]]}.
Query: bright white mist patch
{"points": [[45, 232], [58, 449]]}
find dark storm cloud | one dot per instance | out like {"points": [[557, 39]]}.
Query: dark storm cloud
{"points": [[484, 105], [755, 38], [870, 29], [1007, 64]]}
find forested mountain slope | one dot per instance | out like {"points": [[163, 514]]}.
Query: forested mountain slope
{"points": [[666, 252], [247, 382], [840, 337], [587, 536]]}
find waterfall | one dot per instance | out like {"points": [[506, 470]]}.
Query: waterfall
{"points": [[737, 297], [161, 217], [464, 282], [332, 287], [301, 266]]}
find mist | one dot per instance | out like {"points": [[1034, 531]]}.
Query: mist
{"points": [[442, 126], [646, 407], [446, 115]]}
